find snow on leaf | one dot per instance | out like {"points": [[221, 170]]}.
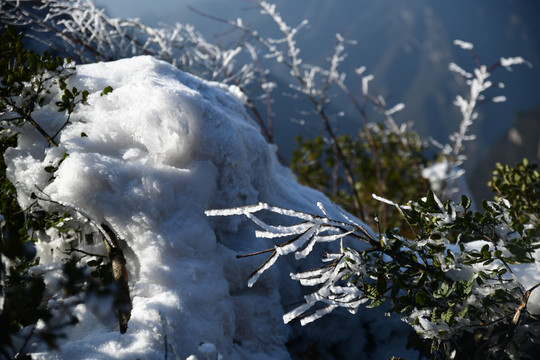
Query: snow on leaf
{"points": [[518, 60], [463, 44], [395, 109], [296, 312], [365, 82], [265, 266], [459, 70], [317, 314]]}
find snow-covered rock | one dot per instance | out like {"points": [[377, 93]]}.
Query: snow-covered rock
{"points": [[150, 158]]}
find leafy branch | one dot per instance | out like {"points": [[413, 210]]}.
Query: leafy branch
{"points": [[117, 259], [27, 84], [452, 281]]}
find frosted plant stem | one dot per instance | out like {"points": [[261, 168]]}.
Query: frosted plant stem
{"points": [[118, 263]]}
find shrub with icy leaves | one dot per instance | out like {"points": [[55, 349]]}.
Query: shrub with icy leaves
{"points": [[456, 280]]}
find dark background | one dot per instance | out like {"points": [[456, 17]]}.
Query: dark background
{"points": [[407, 46]]}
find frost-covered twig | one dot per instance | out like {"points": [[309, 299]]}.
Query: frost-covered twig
{"points": [[82, 31], [311, 230], [478, 83], [267, 87], [285, 51], [446, 176], [307, 84]]}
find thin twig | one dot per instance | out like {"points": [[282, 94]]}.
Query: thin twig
{"points": [[72, 250], [28, 118]]}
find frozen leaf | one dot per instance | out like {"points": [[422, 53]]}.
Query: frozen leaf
{"points": [[463, 44]]}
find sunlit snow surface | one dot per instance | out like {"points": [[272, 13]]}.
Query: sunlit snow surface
{"points": [[150, 158]]}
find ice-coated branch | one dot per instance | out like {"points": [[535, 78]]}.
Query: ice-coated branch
{"points": [[311, 81], [446, 176], [332, 290], [507, 63], [335, 284], [267, 87], [306, 233]]}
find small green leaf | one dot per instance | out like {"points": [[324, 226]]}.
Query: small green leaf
{"points": [[485, 252], [370, 291], [448, 316], [430, 200], [106, 91], [375, 303], [421, 298], [381, 285], [465, 202]]}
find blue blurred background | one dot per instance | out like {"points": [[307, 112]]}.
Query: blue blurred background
{"points": [[407, 46]]}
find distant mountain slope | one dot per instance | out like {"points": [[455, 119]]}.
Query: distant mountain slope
{"points": [[407, 45]]}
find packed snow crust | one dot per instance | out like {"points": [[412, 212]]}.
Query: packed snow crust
{"points": [[150, 158]]}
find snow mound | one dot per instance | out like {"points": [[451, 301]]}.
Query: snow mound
{"points": [[150, 158]]}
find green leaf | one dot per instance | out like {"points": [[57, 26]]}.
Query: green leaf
{"points": [[370, 291], [421, 298], [106, 90], [430, 200], [464, 311], [375, 303], [448, 316], [50, 169], [443, 291], [485, 252], [465, 202], [381, 285]]}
